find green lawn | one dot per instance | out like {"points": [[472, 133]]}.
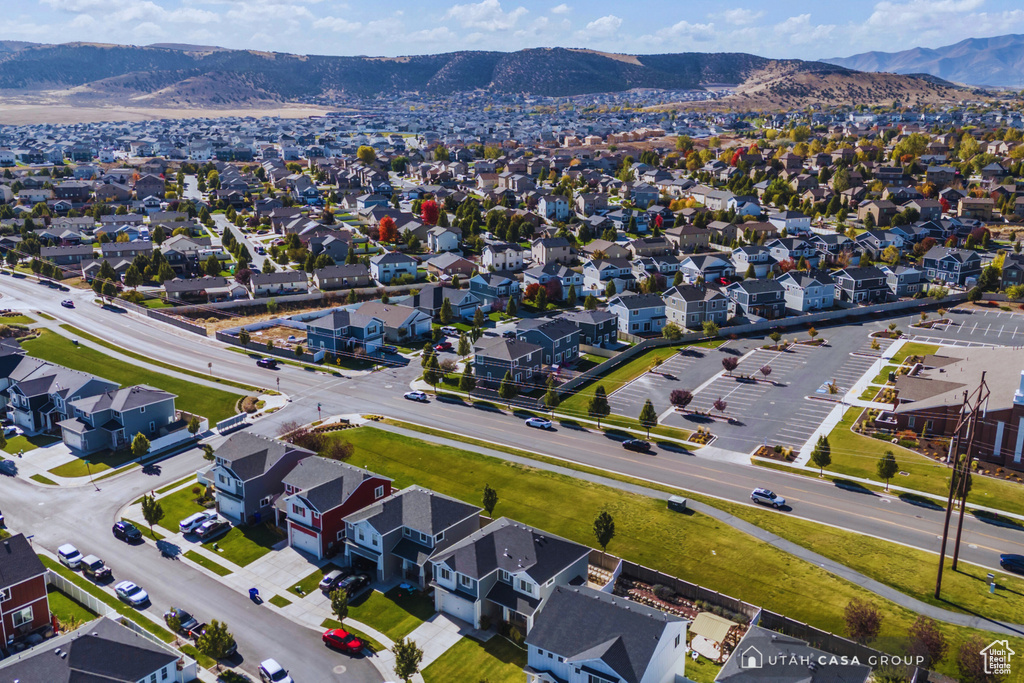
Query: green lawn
{"points": [[43, 479], [28, 443], [371, 643], [311, 582], [857, 455], [16, 320], [496, 661], [883, 375], [702, 671], [279, 601], [913, 349], [212, 403], [697, 547], [156, 303], [201, 659], [245, 544], [177, 506], [68, 610], [175, 484], [202, 561], [98, 462], [45, 316], [144, 528], [396, 613]]}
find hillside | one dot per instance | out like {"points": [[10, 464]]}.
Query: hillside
{"points": [[187, 75], [997, 61]]}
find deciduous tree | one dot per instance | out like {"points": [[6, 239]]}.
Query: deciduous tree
{"points": [[821, 456], [887, 467], [863, 621], [407, 658], [648, 417], [604, 529], [490, 500]]}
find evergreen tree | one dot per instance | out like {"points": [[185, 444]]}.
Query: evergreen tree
{"points": [[598, 406], [508, 389]]}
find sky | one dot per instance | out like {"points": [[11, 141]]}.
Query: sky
{"points": [[790, 29]]}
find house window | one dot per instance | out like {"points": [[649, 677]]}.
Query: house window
{"points": [[22, 617], [152, 426], [341, 534], [678, 637], [465, 581], [593, 678], [525, 586], [439, 537], [223, 479], [142, 409], [407, 532], [163, 674], [362, 536], [373, 540], [5, 595], [378, 492], [444, 573], [266, 501], [298, 509]]}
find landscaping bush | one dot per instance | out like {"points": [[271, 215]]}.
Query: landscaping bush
{"points": [[663, 592]]}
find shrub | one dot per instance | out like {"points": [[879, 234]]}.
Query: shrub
{"points": [[663, 592]]}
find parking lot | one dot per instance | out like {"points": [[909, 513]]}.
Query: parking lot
{"points": [[686, 370], [971, 327]]}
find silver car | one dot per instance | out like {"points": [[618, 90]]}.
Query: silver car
{"points": [[131, 593]]}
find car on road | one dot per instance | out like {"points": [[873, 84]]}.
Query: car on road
{"points": [[340, 639], [272, 672], [1012, 563], [270, 363], [8, 467], [638, 445], [196, 520], [444, 346], [69, 556], [131, 593], [12, 430], [509, 334], [448, 329], [539, 423], [126, 531], [766, 497], [353, 583], [94, 568], [212, 529], [67, 303], [186, 622], [416, 396]]}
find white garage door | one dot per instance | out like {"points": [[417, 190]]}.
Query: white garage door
{"points": [[300, 540], [231, 508], [458, 608]]}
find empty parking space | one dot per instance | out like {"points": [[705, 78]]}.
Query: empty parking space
{"points": [[685, 370], [741, 394], [800, 425], [847, 374]]}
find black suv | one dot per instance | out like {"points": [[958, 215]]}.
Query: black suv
{"points": [[638, 445], [127, 531], [267, 363]]}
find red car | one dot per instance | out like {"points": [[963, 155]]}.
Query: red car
{"points": [[443, 346], [723, 280], [340, 639]]}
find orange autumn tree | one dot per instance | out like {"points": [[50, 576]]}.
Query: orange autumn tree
{"points": [[429, 212], [388, 230]]}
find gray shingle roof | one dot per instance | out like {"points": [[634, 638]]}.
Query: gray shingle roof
{"points": [[18, 562], [326, 483], [417, 508], [250, 455]]}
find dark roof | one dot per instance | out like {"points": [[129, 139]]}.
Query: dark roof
{"points": [[417, 508], [121, 400], [862, 273], [250, 455], [326, 483], [588, 317], [102, 651], [504, 349], [280, 277], [339, 320], [18, 562], [555, 328], [514, 547], [752, 286], [638, 300], [582, 624], [789, 667]]}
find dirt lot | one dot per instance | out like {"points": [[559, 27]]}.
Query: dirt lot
{"points": [[280, 336], [19, 114], [215, 324]]}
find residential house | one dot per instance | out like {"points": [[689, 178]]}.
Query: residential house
{"points": [[597, 275], [880, 210], [596, 328], [279, 283], [401, 323], [754, 257], [600, 249], [554, 207], [502, 258], [861, 285], [39, 393], [391, 265], [875, 242], [709, 267], [559, 339], [690, 307], [493, 290], [790, 657], [688, 238], [757, 299], [902, 281], [449, 264], [24, 603], [795, 223], [440, 239], [66, 255], [204, 289], [319, 494], [833, 247], [1013, 271], [584, 635], [556, 274], [650, 246], [544, 250], [976, 208], [343, 332], [950, 265], [431, 298], [639, 314], [113, 419], [128, 250], [793, 248], [341, 277], [808, 291], [397, 537], [248, 475], [493, 357], [927, 209], [505, 572]]}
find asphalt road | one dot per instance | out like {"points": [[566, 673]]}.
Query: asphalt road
{"points": [[381, 393], [83, 516]]}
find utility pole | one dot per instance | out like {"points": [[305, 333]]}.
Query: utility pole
{"points": [[966, 427], [965, 476]]}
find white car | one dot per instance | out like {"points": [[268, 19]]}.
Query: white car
{"points": [[448, 329], [131, 593], [416, 396], [272, 672], [69, 556], [539, 423], [194, 521], [766, 497], [11, 430]]}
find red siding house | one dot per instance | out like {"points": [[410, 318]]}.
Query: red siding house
{"points": [[24, 607], [318, 494]]}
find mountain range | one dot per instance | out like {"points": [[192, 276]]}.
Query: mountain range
{"points": [[997, 61], [190, 75]]}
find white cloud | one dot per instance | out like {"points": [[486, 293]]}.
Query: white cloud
{"points": [[799, 30], [741, 16], [486, 15], [337, 24], [561, 9], [604, 27], [681, 35]]}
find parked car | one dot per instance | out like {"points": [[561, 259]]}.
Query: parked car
{"points": [[444, 346], [509, 334], [331, 577], [69, 556], [12, 430], [196, 520], [1012, 563], [353, 583], [340, 639], [270, 363], [212, 529], [3, 524], [131, 593], [186, 622], [199, 630], [539, 423], [638, 445], [766, 497], [272, 672], [388, 348], [8, 467], [94, 568], [448, 329], [416, 396], [126, 531], [67, 303]]}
